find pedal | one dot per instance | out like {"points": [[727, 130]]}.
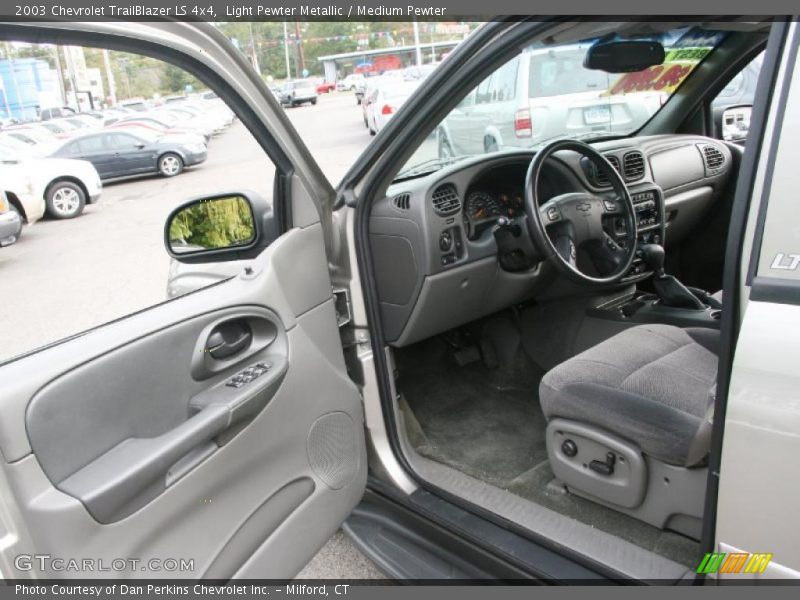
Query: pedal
{"points": [[489, 354], [467, 355]]}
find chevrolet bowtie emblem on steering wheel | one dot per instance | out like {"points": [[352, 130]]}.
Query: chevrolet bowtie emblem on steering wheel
{"points": [[584, 207]]}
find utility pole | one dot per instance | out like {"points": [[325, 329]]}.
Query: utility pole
{"points": [[72, 79], [301, 61], [416, 44], [286, 49], [62, 90], [112, 85]]}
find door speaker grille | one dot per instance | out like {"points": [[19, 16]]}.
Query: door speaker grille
{"points": [[333, 449]]}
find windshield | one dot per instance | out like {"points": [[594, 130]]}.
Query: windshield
{"points": [[546, 93]]}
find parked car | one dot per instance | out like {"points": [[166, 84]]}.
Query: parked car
{"points": [[367, 94], [349, 83], [82, 122], [10, 222], [18, 186], [387, 98], [162, 124], [204, 118], [134, 105], [56, 112], [59, 186], [536, 96], [324, 87], [31, 136], [118, 154], [61, 129], [295, 93]]}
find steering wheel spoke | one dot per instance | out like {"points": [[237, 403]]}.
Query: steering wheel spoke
{"points": [[566, 249], [550, 213], [612, 208], [607, 255]]}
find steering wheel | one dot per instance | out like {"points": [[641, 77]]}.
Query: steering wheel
{"points": [[568, 229]]}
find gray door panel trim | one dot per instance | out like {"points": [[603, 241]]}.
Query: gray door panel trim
{"points": [[263, 522], [201, 513], [294, 265], [105, 407]]}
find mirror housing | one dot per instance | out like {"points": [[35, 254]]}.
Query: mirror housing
{"points": [[624, 56], [250, 226]]}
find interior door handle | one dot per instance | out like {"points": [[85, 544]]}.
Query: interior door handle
{"points": [[228, 339]]}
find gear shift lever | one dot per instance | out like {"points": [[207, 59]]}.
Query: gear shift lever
{"points": [[670, 291], [653, 256]]}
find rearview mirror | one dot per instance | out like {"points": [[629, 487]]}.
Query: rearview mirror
{"points": [[624, 57], [234, 226]]}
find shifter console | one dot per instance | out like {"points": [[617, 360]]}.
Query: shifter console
{"points": [[649, 208]]}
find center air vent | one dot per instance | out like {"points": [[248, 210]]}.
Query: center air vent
{"points": [[402, 201], [713, 158], [633, 166], [445, 200], [600, 176]]}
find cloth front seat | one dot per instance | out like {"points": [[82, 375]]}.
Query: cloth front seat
{"points": [[650, 384]]}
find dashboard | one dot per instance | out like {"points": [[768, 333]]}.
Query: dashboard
{"points": [[437, 264]]}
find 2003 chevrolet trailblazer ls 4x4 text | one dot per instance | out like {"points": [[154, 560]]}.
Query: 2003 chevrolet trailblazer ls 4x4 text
{"points": [[508, 361]]}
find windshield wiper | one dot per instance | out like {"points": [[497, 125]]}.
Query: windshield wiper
{"points": [[428, 166]]}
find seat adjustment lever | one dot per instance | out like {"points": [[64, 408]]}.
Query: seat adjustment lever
{"points": [[604, 468]]}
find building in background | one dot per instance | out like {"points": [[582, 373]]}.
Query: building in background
{"points": [[26, 86]]}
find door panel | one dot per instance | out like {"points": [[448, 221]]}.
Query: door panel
{"points": [[126, 441]]}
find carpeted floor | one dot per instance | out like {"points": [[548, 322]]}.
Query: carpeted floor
{"points": [[487, 423]]}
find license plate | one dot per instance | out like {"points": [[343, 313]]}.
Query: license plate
{"points": [[596, 114]]}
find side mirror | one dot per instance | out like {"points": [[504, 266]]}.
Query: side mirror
{"points": [[732, 123], [233, 226], [624, 57], [139, 145]]}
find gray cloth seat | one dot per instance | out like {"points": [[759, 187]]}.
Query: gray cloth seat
{"points": [[650, 384]]}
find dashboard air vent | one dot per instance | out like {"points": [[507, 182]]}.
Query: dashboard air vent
{"points": [[713, 157], [445, 199], [600, 177], [633, 166], [402, 201]]}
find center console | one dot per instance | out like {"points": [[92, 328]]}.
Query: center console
{"points": [[648, 202]]}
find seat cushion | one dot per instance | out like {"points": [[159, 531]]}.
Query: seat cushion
{"points": [[649, 384]]}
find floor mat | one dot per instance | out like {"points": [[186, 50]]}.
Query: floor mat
{"points": [[487, 423], [478, 420]]}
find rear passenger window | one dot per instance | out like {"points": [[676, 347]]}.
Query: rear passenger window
{"points": [[504, 83], [90, 144]]}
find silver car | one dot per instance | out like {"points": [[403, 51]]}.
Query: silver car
{"points": [[295, 93], [537, 96], [10, 222]]}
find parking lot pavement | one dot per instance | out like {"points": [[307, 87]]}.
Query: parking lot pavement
{"points": [[340, 559], [64, 277]]}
